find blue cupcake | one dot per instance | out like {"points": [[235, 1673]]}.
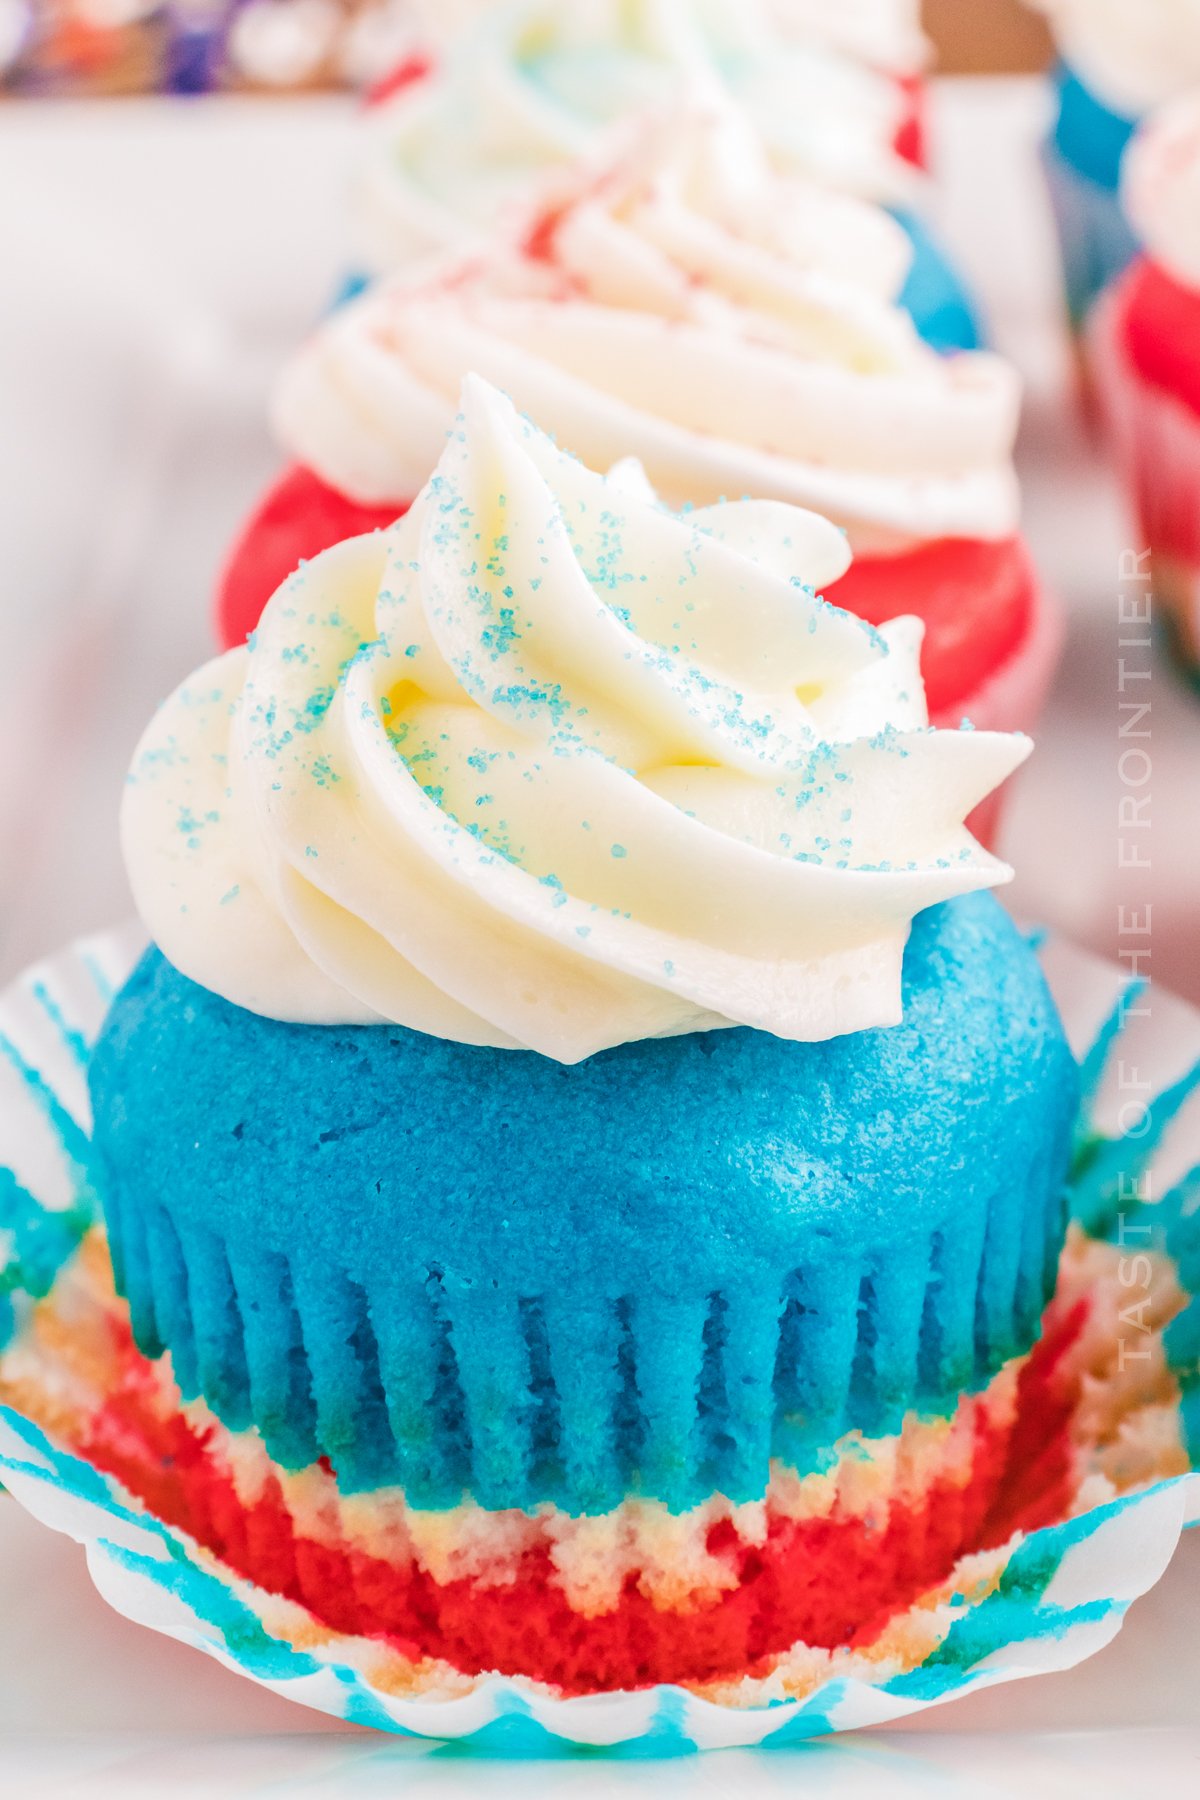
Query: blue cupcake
{"points": [[580, 1102], [464, 1271], [1118, 60]]}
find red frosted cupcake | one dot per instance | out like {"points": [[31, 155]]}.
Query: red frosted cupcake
{"points": [[1147, 354], [737, 334]]}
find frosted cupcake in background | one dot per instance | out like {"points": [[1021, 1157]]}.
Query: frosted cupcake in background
{"points": [[1118, 60], [736, 333], [1146, 352], [573, 1189], [466, 133], [585, 1158]]}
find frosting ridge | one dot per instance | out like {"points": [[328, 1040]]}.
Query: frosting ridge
{"points": [[885, 34]]}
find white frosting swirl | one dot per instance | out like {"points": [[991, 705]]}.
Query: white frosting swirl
{"points": [[548, 766], [1132, 54], [1161, 185], [535, 84], [691, 307], [884, 34]]}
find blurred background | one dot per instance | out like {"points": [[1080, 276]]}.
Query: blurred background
{"points": [[194, 46], [162, 258]]}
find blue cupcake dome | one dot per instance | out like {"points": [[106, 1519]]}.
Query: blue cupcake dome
{"points": [[464, 1270]]}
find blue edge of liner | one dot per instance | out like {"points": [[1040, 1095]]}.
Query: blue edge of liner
{"points": [[40, 1242]]}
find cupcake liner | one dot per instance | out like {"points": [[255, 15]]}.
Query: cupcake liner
{"points": [[1095, 239], [1156, 440], [1045, 1598]]}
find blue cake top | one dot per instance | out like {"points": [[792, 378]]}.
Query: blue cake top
{"points": [[717, 1153]]}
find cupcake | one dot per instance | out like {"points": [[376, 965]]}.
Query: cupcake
{"points": [[463, 138], [583, 1142], [1146, 353], [884, 35], [1118, 60], [735, 332]]}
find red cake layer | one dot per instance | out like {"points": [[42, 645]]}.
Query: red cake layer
{"points": [[297, 518], [976, 598], [911, 140], [1159, 324], [824, 1581]]}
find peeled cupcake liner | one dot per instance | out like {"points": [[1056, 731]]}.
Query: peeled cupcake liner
{"points": [[582, 1601], [1096, 241], [936, 295], [1045, 1600]]}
